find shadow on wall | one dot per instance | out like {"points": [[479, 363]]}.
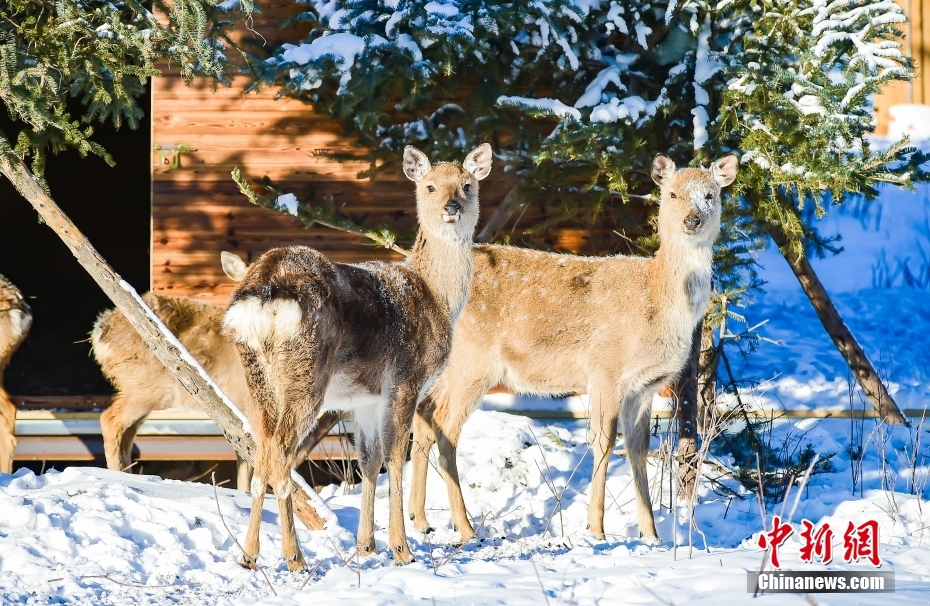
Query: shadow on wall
{"points": [[111, 206]]}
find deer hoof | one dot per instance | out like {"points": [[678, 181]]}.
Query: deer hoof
{"points": [[296, 563], [248, 562], [402, 555], [367, 548]]}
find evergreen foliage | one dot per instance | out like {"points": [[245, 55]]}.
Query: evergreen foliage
{"points": [[577, 96], [99, 53]]}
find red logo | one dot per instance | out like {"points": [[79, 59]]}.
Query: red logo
{"points": [[859, 542], [773, 540], [862, 542]]}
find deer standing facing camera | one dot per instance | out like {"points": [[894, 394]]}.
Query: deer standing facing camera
{"points": [[617, 328]]}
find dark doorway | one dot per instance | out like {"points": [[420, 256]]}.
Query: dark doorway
{"points": [[111, 206]]}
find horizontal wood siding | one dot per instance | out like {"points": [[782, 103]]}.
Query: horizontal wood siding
{"points": [[916, 44]]}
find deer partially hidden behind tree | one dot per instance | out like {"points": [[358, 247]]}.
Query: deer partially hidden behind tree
{"points": [[15, 320], [141, 382], [367, 337], [618, 328]]}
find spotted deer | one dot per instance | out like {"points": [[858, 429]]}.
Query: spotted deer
{"points": [[15, 320], [141, 382], [618, 328], [366, 337]]}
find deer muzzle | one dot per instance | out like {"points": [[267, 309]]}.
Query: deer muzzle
{"points": [[452, 212]]}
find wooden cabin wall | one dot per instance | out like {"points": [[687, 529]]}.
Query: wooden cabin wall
{"points": [[197, 211]]}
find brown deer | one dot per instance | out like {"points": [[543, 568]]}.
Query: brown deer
{"points": [[618, 328], [15, 320], [141, 382], [366, 337]]}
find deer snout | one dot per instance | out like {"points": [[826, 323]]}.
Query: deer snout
{"points": [[452, 212], [693, 222]]}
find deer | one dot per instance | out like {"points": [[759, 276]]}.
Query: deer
{"points": [[15, 321], [618, 328], [365, 337], [142, 384]]}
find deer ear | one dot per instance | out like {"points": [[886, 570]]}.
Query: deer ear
{"points": [[478, 162], [725, 169], [662, 169], [233, 266], [416, 164]]}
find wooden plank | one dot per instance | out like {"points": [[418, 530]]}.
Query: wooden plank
{"points": [[911, 413], [156, 448]]}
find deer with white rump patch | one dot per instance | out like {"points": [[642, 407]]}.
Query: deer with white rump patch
{"points": [[618, 328], [15, 320], [367, 337], [141, 382]]}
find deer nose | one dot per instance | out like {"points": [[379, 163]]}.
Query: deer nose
{"points": [[692, 222], [453, 208]]}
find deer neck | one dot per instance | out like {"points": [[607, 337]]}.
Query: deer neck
{"points": [[446, 267], [682, 278]]}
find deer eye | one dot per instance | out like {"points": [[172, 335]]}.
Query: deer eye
{"points": [[709, 197], [672, 194], [467, 187], [430, 188]]}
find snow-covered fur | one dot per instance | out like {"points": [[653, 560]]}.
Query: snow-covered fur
{"points": [[142, 383], [15, 320], [618, 328], [369, 337]]}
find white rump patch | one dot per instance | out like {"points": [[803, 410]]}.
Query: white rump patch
{"points": [[254, 323], [20, 323]]}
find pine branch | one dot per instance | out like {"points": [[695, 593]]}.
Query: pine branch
{"points": [[321, 215]]}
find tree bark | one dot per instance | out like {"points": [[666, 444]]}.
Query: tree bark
{"points": [[509, 205], [686, 396], [844, 340], [156, 337]]}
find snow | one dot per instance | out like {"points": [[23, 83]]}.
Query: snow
{"points": [[909, 119], [343, 47], [551, 106]]}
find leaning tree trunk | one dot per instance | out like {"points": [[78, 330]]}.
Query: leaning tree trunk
{"points": [[686, 399], [169, 351], [844, 340]]}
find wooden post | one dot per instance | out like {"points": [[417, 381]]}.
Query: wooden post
{"points": [[156, 337], [844, 340]]}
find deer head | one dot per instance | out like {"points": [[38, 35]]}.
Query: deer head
{"points": [[447, 194], [690, 202]]}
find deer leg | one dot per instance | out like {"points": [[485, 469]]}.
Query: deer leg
{"points": [[258, 485], [119, 424], [452, 399], [243, 474], [396, 436], [283, 486], [448, 466], [604, 412], [7, 431], [636, 411], [370, 457], [423, 440]]}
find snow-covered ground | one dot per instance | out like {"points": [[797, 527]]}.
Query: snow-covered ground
{"points": [[90, 536]]}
